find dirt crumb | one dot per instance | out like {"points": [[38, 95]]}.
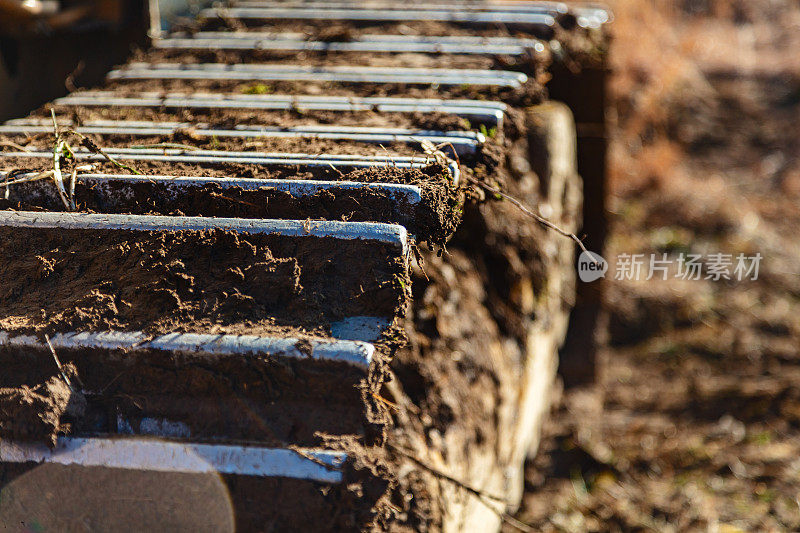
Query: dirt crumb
{"points": [[39, 413]]}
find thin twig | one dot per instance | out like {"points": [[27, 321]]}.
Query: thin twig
{"points": [[440, 474], [341, 175], [385, 401], [72, 179], [89, 144], [165, 145], [36, 177], [55, 123], [420, 262], [14, 145], [482, 496], [438, 156], [389, 155], [59, 146], [522, 526], [233, 200], [57, 177], [307, 455], [47, 174], [92, 146], [540, 219], [58, 363]]}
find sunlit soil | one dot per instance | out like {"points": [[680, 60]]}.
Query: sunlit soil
{"points": [[695, 422]]}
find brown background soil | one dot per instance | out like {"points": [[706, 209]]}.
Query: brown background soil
{"points": [[693, 425]]}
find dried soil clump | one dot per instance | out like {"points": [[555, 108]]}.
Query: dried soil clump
{"points": [[39, 413]]}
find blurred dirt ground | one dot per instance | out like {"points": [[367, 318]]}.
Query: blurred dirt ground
{"points": [[695, 423]]}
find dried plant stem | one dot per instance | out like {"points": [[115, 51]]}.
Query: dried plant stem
{"points": [[72, 179], [538, 218], [57, 177], [14, 145], [92, 147], [40, 176], [166, 145], [58, 362], [487, 499], [59, 147]]}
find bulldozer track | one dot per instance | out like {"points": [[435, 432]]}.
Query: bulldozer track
{"points": [[266, 356]]}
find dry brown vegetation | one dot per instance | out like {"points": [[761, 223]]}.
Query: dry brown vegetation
{"points": [[695, 422]]}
